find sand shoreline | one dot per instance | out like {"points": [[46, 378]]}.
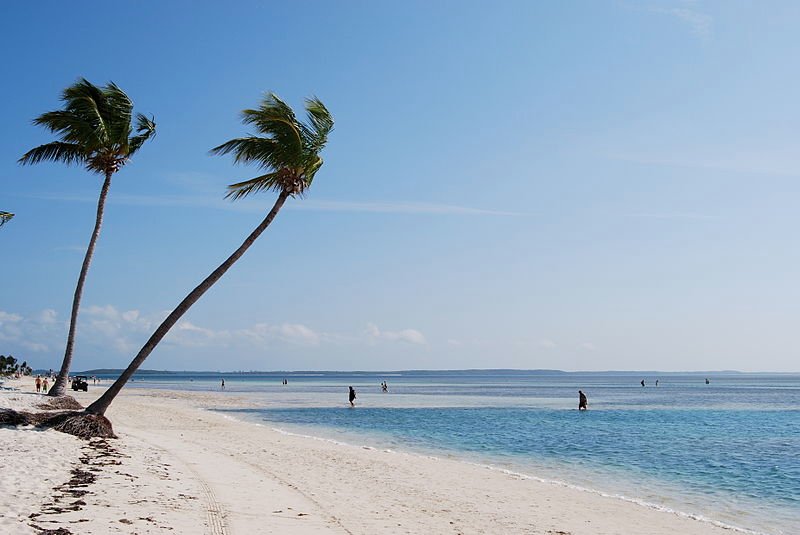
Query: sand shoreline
{"points": [[180, 468]]}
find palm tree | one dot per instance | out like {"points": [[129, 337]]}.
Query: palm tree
{"points": [[290, 153], [5, 217], [95, 130]]}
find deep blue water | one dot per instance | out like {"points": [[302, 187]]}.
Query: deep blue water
{"points": [[728, 451]]}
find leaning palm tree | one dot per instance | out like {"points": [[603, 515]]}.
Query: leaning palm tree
{"points": [[96, 130], [5, 217], [289, 152]]}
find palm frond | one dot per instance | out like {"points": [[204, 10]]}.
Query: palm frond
{"points": [[321, 122], [250, 149], [68, 126], [5, 217], [88, 102], [276, 119], [56, 151], [311, 170], [145, 129], [118, 114], [254, 185], [95, 127], [286, 147]]}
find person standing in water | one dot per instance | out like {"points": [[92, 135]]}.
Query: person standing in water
{"points": [[222, 386], [352, 396], [642, 382], [583, 403]]}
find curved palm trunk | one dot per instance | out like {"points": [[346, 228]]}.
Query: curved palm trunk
{"points": [[101, 405], [61, 382]]}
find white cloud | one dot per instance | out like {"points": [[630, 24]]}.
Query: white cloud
{"points": [[411, 336], [264, 204], [293, 332], [48, 316], [546, 343], [699, 23], [39, 333], [670, 215], [777, 162], [8, 317], [396, 208], [108, 332]]}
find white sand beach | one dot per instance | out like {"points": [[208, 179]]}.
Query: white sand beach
{"points": [[178, 468]]}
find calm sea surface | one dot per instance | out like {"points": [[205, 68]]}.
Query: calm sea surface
{"points": [[727, 451]]}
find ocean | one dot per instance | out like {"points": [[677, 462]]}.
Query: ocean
{"points": [[726, 452]]}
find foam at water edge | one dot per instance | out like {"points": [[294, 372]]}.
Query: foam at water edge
{"points": [[636, 501], [692, 516]]}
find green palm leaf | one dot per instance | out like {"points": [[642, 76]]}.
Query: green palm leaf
{"points": [[94, 128], [286, 147], [56, 151], [5, 217]]}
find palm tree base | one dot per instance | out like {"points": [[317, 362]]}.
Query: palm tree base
{"points": [[80, 424]]}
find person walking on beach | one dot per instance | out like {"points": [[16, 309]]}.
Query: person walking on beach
{"points": [[38, 384], [45, 386], [352, 396], [583, 403]]}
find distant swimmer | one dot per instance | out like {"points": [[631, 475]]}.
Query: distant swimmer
{"points": [[352, 396], [583, 403], [642, 382], [656, 382], [707, 381]]}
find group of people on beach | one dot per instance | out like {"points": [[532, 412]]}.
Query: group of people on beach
{"points": [[42, 384]]}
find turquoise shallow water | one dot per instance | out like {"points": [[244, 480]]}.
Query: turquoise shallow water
{"points": [[728, 451]]}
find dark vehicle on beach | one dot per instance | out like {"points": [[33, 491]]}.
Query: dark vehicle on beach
{"points": [[79, 383]]}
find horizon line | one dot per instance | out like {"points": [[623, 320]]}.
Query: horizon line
{"points": [[420, 370]]}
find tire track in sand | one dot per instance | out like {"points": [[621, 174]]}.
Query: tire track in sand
{"points": [[259, 468], [214, 510]]}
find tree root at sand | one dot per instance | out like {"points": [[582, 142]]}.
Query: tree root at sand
{"points": [[60, 404], [80, 424]]}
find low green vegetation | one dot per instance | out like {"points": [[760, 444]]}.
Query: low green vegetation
{"points": [[10, 366]]}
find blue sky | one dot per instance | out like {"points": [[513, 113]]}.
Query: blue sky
{"points": [[572, 185]]}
